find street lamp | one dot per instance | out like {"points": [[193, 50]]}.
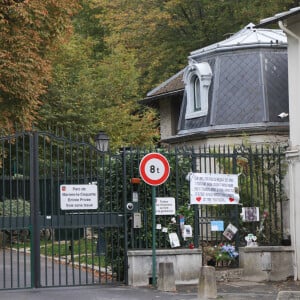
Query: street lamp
{"points": [[102, 141]]}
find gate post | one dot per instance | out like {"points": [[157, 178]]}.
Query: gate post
{"points": [[236, 207], [34, 211], [124, 183], [196, 208]]}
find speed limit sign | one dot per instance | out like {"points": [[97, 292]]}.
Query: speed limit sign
{"points": [[154, 169]]}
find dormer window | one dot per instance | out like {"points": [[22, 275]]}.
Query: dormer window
{"points": [[197, 79], [197, 100]]}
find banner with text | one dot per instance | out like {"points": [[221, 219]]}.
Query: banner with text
{"points": [[207, 188]]}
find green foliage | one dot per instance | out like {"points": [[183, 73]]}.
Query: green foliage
{"points": [[89, 86], [29, 31], [15, 208], [162, 33], [220, 253], [70, 101], [87, 26], [129, 124], [110, 61], [187, 211], [117, 52], [83, 251]]}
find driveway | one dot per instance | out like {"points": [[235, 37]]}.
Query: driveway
{"points": [[15, 271]]}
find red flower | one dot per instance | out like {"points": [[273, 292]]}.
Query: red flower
{"points": [[191, 246], [265, 214]]}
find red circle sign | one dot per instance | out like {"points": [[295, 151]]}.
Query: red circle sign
{"points": [[154, 169]]}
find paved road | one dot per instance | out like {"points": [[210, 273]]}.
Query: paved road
{"points": [[54, 273], [236, 290], [15, 271], [95, 293]]}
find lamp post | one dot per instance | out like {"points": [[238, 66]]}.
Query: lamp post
{"points": [[102, 143]]}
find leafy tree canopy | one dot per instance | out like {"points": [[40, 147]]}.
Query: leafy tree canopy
{"points": [[29, 30], [162, 33], [88, 94], [92, 77]]}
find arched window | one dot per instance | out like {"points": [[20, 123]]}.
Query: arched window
{"points": [[197, 79], [197, 99]]}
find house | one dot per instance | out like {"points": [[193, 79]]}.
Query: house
{"points": [[230, 90], [289, 22]]}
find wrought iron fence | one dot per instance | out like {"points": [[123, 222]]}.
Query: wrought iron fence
{"points": [[260, 170], [37, 235]]}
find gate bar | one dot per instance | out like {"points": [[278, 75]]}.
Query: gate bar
{"points": [[34, 207]]}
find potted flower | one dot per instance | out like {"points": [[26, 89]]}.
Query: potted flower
{"points": [[226, 254], [220, 255]]}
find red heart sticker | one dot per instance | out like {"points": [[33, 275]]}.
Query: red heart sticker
{"points": [[198, 198], [231, 199]]}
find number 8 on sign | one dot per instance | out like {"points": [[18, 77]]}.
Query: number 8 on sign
{"points": [[154, 169]]}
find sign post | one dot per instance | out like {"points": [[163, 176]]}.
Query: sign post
{"points": [[154, 170]]}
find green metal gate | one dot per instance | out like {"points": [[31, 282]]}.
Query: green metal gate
{"points": [[42, 245]]}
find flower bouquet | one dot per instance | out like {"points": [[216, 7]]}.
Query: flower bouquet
{"points": [[220, 255], [226, 252]]}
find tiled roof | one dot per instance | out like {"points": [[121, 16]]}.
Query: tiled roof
{"points": [[173, 84]]}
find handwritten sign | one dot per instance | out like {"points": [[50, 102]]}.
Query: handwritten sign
{"points": [[165, 206], [206, 188]]}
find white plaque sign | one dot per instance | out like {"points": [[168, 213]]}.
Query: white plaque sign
{"points": [[78, 196], [165, 206]]}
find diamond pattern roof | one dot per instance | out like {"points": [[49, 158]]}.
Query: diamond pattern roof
{"points": [[249, 87]]}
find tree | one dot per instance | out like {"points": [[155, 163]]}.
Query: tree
{"points": [[70, 101], [129, 123], [29, 31], [163, 32], [92, 91]]}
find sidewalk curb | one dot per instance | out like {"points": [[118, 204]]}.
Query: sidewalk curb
{"points": [[288, 295]]}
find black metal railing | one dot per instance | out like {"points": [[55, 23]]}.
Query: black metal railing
{"points": [[43, 245]]}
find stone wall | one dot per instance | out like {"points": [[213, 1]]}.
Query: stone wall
{"points": [[187, 263], [269, 263]]}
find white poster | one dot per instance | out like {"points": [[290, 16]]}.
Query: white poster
{"points": [[187, 231], [206, 188], [174, 240]]}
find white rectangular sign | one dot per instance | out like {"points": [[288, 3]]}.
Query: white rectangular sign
{"points": [[78, 196], [165, 206], [206, 188]]}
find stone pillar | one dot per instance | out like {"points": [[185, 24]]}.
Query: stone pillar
{"points": [[166, 277], [293, 35], [293, 157], [291, 27], [207, 287]]}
